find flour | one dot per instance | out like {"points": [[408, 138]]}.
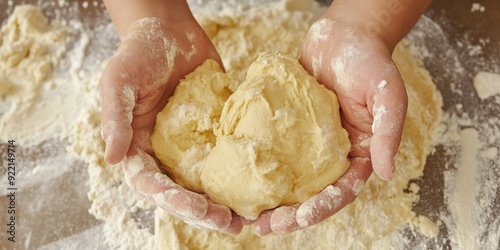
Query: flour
{"points": [[477, 7], [469, 138], [378, 114], [53, 99], [463, 194], [486, 84], [381, 217], [41, 66], [382, 85], [30, 49], [471, 181]]}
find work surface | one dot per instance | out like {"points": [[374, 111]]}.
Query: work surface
{"points": [[464, 41]]}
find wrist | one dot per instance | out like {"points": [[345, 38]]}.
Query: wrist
{"points": [[125, 13], [385, 20]]}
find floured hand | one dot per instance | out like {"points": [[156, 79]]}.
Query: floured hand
{"points": [[373, 102], [136, 84]]}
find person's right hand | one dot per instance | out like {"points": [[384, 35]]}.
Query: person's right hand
{"points": [[373, 104], [136, 84]]}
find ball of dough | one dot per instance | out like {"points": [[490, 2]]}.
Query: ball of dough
{"points": [[277, 140]]}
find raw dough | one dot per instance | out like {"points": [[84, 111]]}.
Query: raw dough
{"points": [[279, 139], [279, 142]]}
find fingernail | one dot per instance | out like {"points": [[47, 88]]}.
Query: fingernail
{"points": [[236, 225], [388, 175], [257, 229], [106, 153]]}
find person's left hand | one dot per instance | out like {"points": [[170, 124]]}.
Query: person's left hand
{"points": [[373, 103], [136, 84]]}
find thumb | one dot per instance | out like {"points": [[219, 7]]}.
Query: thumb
{"points": [[118, 101], [390, 103]]}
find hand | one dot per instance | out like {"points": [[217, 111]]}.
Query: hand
{"points": [[136, 84], [373, 104]]}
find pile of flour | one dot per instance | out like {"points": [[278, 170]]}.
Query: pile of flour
{"points": [[382, 216]]}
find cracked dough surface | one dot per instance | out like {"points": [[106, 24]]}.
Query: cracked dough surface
{"points": [[277, 140]]}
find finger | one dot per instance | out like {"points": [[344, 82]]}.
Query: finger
{"points": [[118, 100], [323, 205], [144, 176], [360, 140], [218, 218], [235, 226], [262, 226], [284, 219], [336, 196], [141, 140], [390, 103]]}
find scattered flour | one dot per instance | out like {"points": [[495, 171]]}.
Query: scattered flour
{"points": [[463, 195], [477, 7], [382, 85], [381, 217], [471, 181], [486, 84]]}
